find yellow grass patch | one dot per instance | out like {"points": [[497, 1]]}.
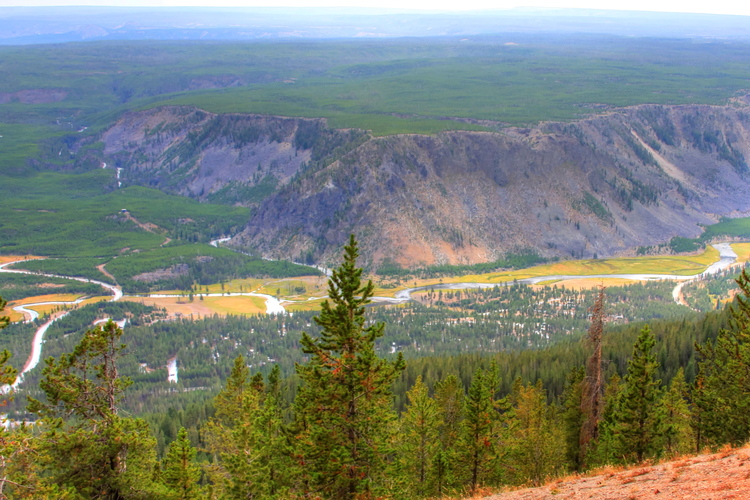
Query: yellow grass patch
{"points": [[742, 250], [315, 286], [672, 264], [238, 304], [47, 308], [547, 283], [381, 291], [685, 265], [173, 307], [308, 305], [178, 306], [57, 297], [13, 315], [234, 286], [11, 258], [93, 300]]}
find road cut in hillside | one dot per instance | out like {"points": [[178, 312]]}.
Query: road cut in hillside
{"points": [[714, 476]]}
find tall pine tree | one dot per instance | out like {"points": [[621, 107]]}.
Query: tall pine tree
{"points": [[181, 473], [449, 396], [603, 450], [7, 372], [638, 419], [593, 383], [87, 444], [537, 439], [722, 392], [418, 442], [479, 428], [245, 438], [572, 417], [343, 407], [676, 416], [18, 474]]}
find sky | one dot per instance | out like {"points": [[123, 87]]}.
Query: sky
{"points": [[734, 7]]}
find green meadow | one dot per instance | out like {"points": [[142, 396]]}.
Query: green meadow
{"points": [[507, 89], [387, 86], [77, 215]]}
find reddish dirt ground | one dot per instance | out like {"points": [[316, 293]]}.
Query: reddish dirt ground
{"points": [[723, 475]]}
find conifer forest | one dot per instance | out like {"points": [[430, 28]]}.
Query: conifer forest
{"points": [[350, 423]]}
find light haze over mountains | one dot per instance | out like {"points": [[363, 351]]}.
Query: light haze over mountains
{"points": [[32, 25]]}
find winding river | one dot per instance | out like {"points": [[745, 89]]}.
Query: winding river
{"points": [[273, 305], [727, 257], [38, 339]]}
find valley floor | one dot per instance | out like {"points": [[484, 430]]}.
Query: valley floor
{"points": [[723, 475]]}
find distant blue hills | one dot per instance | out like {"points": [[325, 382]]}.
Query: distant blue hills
{"points": [[39, 25]]}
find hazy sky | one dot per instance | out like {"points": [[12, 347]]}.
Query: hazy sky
{"points": [[738, 7]]}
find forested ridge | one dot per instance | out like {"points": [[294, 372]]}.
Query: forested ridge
{"points": [[353, 421]]}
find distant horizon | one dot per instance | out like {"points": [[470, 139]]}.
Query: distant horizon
{"points": [[721, 7]]}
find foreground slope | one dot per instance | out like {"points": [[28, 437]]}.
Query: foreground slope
{"points": [[711, 476]]}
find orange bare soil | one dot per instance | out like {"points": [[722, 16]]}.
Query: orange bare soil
{"points": [[11, 258], [56, 297], [182, 307], [14, 315], [723, 475]]}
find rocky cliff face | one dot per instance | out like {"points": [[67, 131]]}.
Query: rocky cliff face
{"points": [[224, 158], [599, 186]]}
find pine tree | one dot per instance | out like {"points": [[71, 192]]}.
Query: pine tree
{"points": [[4, 320], [88, 446], [722, 392], [231, 404], [676, 416], [638, 427], [343, 407], [180, 471], [245, 438], [271, 423], [418, 441], [230, 401], [603, 450], [572, 417], [593, 383], [449, 397], [479, 427], [21, 474], [536, 441]]}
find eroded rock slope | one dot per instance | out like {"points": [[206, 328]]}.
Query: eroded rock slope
{"points": [[599, 186]]}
